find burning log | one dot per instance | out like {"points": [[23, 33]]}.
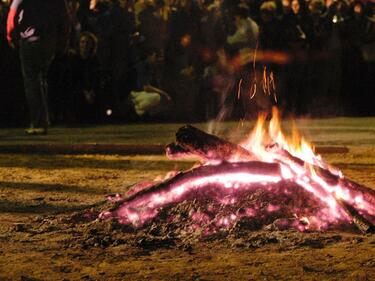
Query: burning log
{"points": [[208, 146], [285, 156], [254, 168], [326, 174], [173, 190], [367, 193]]}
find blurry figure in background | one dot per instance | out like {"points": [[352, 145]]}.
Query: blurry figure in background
{"points": [[153, 26], [101, 24], [122, 76], [146, 99], [151, 101], [244, 42], [212, 37], [330, 73], [245, 37], [298, 27], [368, 52], [148, 65], [271, 32], [39, 29], [182, 64], [183, 46], [359, 30], [83, 14], [76, 27], [317, 10], [221, 80], [272, 41], [112, 22], [303, 23], [139, 6], [212, 28], [82, 79], [58, 87]]}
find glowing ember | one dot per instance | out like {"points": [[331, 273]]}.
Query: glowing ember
{"points": [[276, 181]]}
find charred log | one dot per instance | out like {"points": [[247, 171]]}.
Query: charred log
{"points": [[360, 221], [208, 146], [175, 151], [367, 193]]}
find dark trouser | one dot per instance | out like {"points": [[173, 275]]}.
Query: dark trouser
{"points": [[36, 58]]}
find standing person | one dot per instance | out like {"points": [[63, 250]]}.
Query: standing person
{"points": [[38, 28]]}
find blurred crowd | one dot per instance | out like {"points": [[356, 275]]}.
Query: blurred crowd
{"points": [[203, 59]]}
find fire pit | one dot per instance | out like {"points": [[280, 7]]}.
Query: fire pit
{"points": [[266, 182]]}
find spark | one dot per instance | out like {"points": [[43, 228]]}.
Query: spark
{"points": [[253, 91], [239, 89]]}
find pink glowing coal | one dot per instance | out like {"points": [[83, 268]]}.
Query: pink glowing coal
{"points": [[283, 180]]}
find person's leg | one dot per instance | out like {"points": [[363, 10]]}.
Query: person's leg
{"points": [[47, 54], [31, 79], [44, 93], [35, 60]]}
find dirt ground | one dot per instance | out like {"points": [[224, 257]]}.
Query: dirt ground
{"points": [[41, 239]]}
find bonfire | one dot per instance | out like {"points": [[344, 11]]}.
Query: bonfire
{"points": [[267, 181]]}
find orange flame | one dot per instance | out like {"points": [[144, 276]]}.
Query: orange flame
{"points": [[262, 137]]}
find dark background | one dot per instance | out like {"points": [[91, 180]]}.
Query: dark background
{"points": [[321, 55]]}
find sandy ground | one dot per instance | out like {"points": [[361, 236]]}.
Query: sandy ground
{"points": [[39, 240]]}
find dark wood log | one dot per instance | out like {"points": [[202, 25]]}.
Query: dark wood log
{"points": [[208, 146], [175, 151], [360, 222]]}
